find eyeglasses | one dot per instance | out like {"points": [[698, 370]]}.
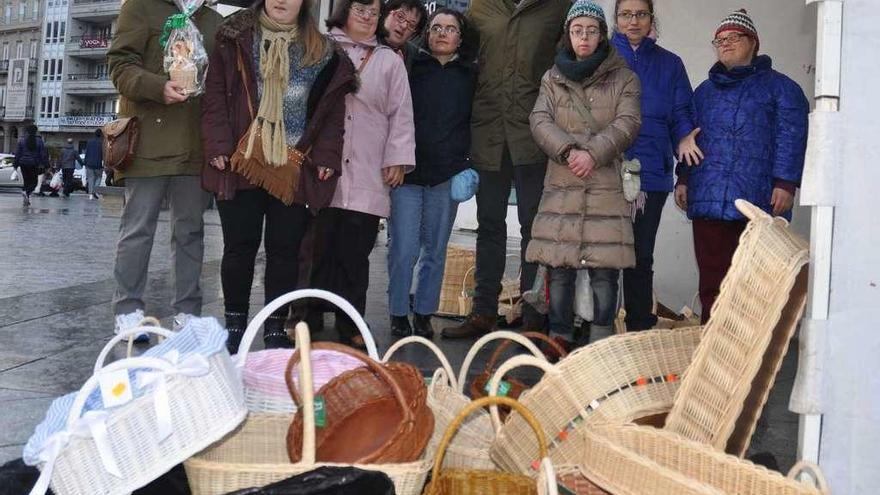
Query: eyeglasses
{"points": [[403, 19], [732, 38], [627, 16], [450, 30], [364, 12], [579, 32]]}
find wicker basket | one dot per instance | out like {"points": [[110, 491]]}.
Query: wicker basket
{"points": [[480, 482], [729, 374], [120, 449], [457, 278], [469, 447], [485, 339], [256, 453], [640, 460]]}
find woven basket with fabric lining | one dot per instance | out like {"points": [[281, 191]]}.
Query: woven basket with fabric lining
{"points": [[481, 482], [640, 460], [255, 454], [626, 377]]}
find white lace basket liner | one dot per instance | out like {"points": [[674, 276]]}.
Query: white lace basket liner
{"points": [[264, 387], [186, 395]]}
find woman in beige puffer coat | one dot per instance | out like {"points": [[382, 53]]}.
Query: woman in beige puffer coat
{"points": [[586, 115]]}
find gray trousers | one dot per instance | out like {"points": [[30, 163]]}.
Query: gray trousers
{"points": [[143, 200], [93, 179]]}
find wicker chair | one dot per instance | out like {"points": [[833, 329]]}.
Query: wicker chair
{"points": [[712, 381]]}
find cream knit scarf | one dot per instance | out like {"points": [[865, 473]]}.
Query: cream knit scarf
{"points": [[275, 71]]}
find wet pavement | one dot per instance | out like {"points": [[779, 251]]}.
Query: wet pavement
{"points": [[56, 285]]}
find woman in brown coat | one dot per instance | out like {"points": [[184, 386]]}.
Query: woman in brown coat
{"points": [[272, 65], [586, 115]]}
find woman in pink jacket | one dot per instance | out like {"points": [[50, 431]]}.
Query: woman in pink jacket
{"points": [[379, 149]]}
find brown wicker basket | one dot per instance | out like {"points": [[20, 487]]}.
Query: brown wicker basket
{"points": [[481, 482], [515, 387], [371, 415]]}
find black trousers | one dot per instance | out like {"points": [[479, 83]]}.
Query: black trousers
{"points": [[67, 181], [638, 282], [29, 177], [242, 220], [492, 200], [344, 242]]}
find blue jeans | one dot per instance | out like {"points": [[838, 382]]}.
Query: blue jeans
{"points": [[562, 292], [420, 226]]}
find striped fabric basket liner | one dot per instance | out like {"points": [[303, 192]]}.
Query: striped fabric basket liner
{"points": [[186, 394]]}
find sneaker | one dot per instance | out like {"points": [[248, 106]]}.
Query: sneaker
{"points": [[131, 320], [25, 200], [91, 197], [181, 320]]}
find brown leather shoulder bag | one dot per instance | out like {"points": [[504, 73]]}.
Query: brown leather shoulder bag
{"points": [[120, 142]]}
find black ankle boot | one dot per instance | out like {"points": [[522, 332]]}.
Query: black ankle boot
{"points": [[274, 333], [422, 326], [236, 323], [400, 326]]}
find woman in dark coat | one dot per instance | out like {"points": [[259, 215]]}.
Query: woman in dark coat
{"points": [[30, 156], [442, 79], [271, 65]]}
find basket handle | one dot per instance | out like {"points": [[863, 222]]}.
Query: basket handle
{"points": [[129, 335], [374, 366], [415, 339], [475, 406], [811, 470], [485, 339], [490, 365], [251, 332], [520, 361], [304, 344], [750, 211], [465, 278], [440, 376], [549, 477]]}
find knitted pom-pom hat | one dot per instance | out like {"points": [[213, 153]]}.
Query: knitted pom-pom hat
{"points": [[740, 22]]}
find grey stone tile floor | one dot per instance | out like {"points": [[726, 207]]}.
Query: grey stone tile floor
{"points": [[56, 284]]}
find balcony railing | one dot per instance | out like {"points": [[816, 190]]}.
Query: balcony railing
{"points": [[88, 42], [88, 77], [32, 65], [91, 120], [16, 19]]}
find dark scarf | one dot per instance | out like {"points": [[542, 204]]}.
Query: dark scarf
{"points": [[579, 70]]}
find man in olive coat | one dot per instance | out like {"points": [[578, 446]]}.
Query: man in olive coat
{"points": [[518, 44], [167, 161]]}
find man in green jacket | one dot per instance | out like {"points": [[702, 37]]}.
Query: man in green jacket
{"points": [[167, 161], [518, 44]]}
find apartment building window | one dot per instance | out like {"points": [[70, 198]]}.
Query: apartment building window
{"points": [[19, 49], [45, 69], [101, 71], [7, 12], [36, 9], [59, 72], [2, 97], [48, 31], [43, 107], [22, 9], [34, 46], [57, 104], [6, 51], [63, 30], [55, 32]]}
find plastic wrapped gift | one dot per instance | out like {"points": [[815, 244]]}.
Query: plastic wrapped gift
{"points": [[186, 60]]}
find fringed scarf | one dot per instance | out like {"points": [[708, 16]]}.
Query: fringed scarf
{"points": [[275, 71]]}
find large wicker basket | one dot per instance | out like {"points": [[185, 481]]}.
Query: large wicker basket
{"points": [[640, 460], [469, 447], [256, 453], [457, 278]]}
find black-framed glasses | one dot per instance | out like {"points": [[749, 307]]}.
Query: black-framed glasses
{"points": [[732, 38], [450, 30], [627, 16], [401, 17], [579, 32], [364, 12]]}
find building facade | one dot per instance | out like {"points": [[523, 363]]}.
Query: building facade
{"points": [[20, 28], [76, 95]]}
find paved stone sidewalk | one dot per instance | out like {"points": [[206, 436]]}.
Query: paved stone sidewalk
{"points": [[56, 284]]}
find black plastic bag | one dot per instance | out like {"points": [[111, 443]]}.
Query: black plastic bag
{"points": [[16, 478], [328, 481]]}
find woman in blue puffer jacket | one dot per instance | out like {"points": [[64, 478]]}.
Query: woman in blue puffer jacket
{"points": [[752, 127], [666, 121]]}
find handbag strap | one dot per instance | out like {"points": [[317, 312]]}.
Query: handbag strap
{"points": [[244, 79], [366, 59]]}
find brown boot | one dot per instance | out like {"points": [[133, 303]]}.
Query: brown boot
{"points": [[473, 326]]}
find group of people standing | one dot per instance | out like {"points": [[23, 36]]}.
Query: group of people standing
{"points": [[308, 140], [33, 162]]}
